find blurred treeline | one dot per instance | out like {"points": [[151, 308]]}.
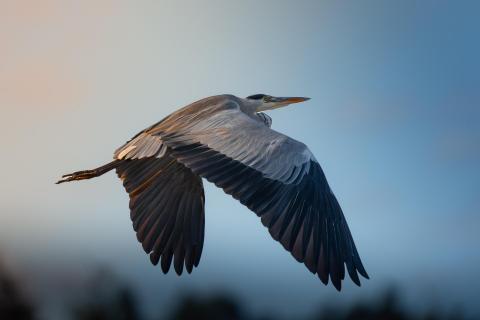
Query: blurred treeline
{"points": [[108, 299]]}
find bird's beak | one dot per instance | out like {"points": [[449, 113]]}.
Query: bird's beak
{"points": [[284, 101]]}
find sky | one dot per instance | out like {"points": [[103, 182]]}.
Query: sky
{"points": [[394, 120]]}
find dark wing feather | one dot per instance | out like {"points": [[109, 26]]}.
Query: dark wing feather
{"points": [[273, 175], [167, 210]]}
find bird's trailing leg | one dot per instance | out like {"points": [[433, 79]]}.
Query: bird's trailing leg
{"points": [[88, 174]]}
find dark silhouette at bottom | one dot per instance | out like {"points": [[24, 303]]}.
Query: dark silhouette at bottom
{"points": [[109, 299], [13, 305]]}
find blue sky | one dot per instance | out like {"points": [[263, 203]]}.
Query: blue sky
{"points": [[394, 120]]}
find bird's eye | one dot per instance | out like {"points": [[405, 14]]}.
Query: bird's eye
{"points": [[266, 99]]}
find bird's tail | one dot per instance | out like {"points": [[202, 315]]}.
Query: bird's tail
{"points": [[88, 174]]}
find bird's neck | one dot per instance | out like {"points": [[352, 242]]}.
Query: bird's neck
{"points": [[250, 106]]}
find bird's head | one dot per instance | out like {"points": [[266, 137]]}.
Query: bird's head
{"points": [[266, 102]]}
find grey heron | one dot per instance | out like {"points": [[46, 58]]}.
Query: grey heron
{"points": [[229, 141]]}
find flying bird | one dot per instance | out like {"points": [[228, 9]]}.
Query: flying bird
{"points": [[229, 141]]}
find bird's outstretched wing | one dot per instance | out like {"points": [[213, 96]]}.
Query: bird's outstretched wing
{"points": [[275, 176], [167, 209]]}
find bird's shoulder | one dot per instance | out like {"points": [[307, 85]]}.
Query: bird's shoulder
{"points": [[197, 111], [222, 101]]}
